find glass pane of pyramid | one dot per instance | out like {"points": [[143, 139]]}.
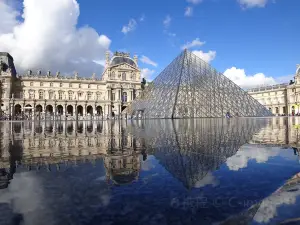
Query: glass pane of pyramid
{"points": [[190, 88]]}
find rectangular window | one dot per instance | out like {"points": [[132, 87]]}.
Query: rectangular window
{"points": [[89, 96], [113, 96], [70, 95], [41, 95], [31, 95], [50, 95], [60, 95]]}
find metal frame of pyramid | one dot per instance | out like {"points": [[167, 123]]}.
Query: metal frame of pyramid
{"points": [[190, 88]]}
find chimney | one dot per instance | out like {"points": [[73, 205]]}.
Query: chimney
{"points": [[107, 58], [135, 59]]}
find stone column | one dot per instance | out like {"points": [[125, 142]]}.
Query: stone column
{"points": [[65, 111], [33, 111], [54, 110], [109, 110], [104, 111], [85, 110], [76, 114]]}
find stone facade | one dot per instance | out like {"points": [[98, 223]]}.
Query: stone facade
{"points": [[281, 99], [38, 95]]}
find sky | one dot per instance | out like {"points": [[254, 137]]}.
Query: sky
{"points": [[253, 42]]}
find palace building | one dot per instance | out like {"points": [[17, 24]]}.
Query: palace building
{"points": [[55, 95], [281, 99]]}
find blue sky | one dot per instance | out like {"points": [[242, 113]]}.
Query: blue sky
{"points": [[259, 38]]}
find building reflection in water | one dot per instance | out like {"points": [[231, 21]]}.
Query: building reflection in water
{"points": [[189, 149], [57, 145]]}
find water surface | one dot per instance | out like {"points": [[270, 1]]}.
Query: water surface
{"points": [[199, 171]]}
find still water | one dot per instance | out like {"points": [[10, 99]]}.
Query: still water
{"points": [[201, 171]]}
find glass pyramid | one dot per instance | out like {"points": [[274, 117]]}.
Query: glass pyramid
{"points": [[190, 88]]}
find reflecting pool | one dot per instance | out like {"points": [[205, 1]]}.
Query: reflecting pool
{"points": [[196, 171]]}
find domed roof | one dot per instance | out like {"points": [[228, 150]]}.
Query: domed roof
{"points": [[121, 59], [124, 176]]}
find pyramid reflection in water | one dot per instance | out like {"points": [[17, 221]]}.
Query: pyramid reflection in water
{"points": [[191, 88], [191, 149]]}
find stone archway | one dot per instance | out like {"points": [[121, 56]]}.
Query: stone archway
{"points": [[49, 109], [89, 110], [60, 110], [28, 109], [39, 109], [79, 110], [99, 110], [70, 110], [18, 109]]}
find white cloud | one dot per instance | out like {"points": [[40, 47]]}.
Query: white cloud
{"points": [[239, 77], [192, 44], [171, 34], [7, 18], [48, 38], [142, 18], [206, 56], [188, 11], [246, 153], [252, 3], [147, 74], [276, 203], [209, 179], [167, 21], [130, 27], [284, 79], [194, 1], [148, 61]]}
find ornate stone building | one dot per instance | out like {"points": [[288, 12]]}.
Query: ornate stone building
{"points": [[282, 98], [37, 94]]}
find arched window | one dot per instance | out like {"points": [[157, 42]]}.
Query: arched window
{"points": [[51, 84], [124, 97], [31, 94], [123, 76], [60, 84], [70, 95], [70, 85], [41, 84], [134, 76], [41, 94], [113, 76], [31, 83], [79, 85], [89, 86]]}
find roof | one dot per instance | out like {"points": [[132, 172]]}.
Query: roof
{"points": [[121, 59]]}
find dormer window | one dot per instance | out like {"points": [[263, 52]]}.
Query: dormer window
{"points": [[113, 76]]}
